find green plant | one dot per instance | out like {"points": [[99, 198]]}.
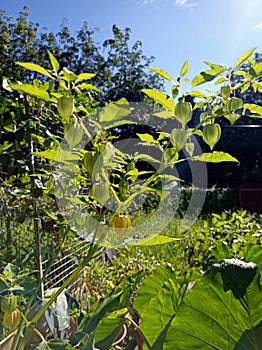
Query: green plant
{"points": [[220, 310], [100, 164]]}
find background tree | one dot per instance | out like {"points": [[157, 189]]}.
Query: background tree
{"points": [[119, 66]]}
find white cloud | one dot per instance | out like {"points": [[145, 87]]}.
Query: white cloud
{"points": [[258, 26], [148, 2], [185, 3]]}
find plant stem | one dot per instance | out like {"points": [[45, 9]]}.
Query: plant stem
{"points": [[31, 325]]}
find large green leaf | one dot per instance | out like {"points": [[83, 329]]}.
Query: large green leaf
{"points": [[109, 328], [154, 239], [35, 67], [244, 57], [147, 138], [223, 311], [206, 76], [160, 97], [162, 73], [84, 76], [254, 109], [215, 157], [58, 155], [115, 111], [31, 90], [157, 303]]}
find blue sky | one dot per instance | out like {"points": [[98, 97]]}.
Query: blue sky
{"points": [[171, 30]]}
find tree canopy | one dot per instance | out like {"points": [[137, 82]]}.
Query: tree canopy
{"points": [[120, 66]]}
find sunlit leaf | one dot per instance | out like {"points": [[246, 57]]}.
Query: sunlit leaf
{"points": [[253, 108], [162, 73], [84, 76], [197, 93], [206, 76], [108, 328], [35, 67], [222, 311], [160, 97], [85, 86], [154, 239], [184, 69], [146, 158], [215, 157], [53, 60], [115, 111], [57, 155], [31, 90], [164, 114], [157, 302], [147, 138], [244, 57]]}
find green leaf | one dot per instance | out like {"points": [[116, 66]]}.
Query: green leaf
{"points": [[215, 157], [220, 80], [157, 303], [253, 253], [179, 138], [154, 239], [197, 93], [42, 346], [232, 117], [221, 251], [53, 60], [108, 329], [184, 69], [68, 75], [213, 65], [222, 311], [161, 98], [58, 155], [118, 123], [244, 57], [115, 111], [84, 76], [253, 108], [206, 76], [147, 138], [58, 344], [164, 114], [162, 73], [146, 158], [35, 67], [31, 90], [85, 86]]}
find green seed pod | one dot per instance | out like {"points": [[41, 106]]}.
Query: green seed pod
{"points": [[9, 303], [121, 224], [65, 107], [12, 319], [183, 112], [235, 103], [211, 134], [225, 92]]}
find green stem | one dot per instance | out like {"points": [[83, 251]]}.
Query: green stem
{"points": [[31, 325]]}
